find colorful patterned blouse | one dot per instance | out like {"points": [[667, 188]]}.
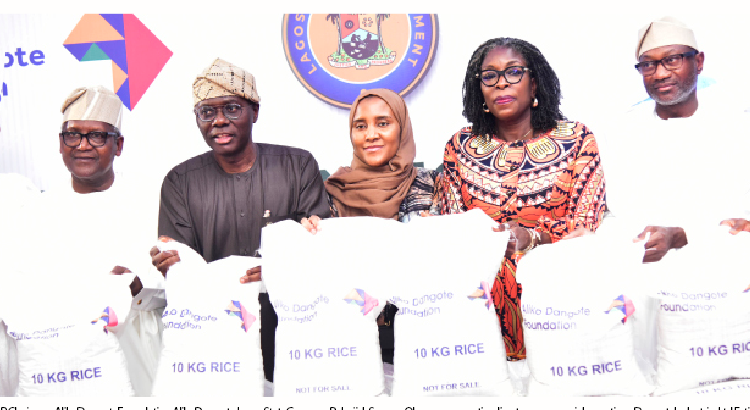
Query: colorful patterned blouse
{"points": [[552, 183]]}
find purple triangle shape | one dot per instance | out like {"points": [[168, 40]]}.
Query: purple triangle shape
{"points": [[78, 50], [115, 50], [116, 21], [124, 94]]}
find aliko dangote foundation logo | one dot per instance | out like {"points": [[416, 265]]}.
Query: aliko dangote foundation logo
{"points": [[335, 56]]}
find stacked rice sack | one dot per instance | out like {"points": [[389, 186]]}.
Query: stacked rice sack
{"points": [[211, 329], [63, 311], [63, 256], [702, 300], [581, 303], [447, 337], [8, 363], [65, 335], [327, 293], [330, 292]]}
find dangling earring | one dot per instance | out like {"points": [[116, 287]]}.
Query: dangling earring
{"points": [[484, 107], [536, 102]]}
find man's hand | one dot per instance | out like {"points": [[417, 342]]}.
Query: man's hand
{"points": [[736, 225], [252, 275], [136, 286], [311, 224], [163, 260], [662, 239]]}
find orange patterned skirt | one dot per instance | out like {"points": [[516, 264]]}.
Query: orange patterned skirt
{"points": [[506, 295]]}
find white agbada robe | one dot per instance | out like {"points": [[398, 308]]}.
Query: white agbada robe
{"points": [[687, 172], [64, 232], [681, 172], [17, 191]]}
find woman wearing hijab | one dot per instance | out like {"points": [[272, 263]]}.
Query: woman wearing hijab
{"points": [[522, 163], [382, 180]]}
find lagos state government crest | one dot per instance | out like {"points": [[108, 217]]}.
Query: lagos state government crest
{"points": [[335, 56]]}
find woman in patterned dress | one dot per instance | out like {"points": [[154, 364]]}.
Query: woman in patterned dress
{"points": [[522, 163]]}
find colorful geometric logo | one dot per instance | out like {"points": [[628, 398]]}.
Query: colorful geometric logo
{"points": [[335, 56], [623, 305], [109, 318], [360, 298], [236, 308], [482, 292], [137, 55]]}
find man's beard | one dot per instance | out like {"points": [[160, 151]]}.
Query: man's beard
{"points": [[685, 89], [683, 95]]}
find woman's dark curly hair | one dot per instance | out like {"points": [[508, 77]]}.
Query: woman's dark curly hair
{"points": [[543, 117]]}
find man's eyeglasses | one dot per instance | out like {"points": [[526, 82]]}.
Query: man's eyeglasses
{"points": [[671, 63], [208, 113], [513, 75], [73, 139]]}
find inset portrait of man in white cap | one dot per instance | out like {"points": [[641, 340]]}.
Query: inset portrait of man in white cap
{"points": [[90, 137], [669, 158], [669, 61]]}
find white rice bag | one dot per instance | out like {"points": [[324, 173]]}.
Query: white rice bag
{"points": [[447, 336], [579, 303], [66, 343], [8, 363], [211, 339], [325, 291], [704, 312]]}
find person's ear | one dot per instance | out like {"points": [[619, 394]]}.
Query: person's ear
{"points": [[63, 129], [256, 108], [120, 141]]}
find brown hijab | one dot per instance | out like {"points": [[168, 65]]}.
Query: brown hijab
{"points": [[362, 190]]}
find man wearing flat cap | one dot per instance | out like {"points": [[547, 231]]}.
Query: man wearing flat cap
{"points": [[217, 202], [672, 166]]}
